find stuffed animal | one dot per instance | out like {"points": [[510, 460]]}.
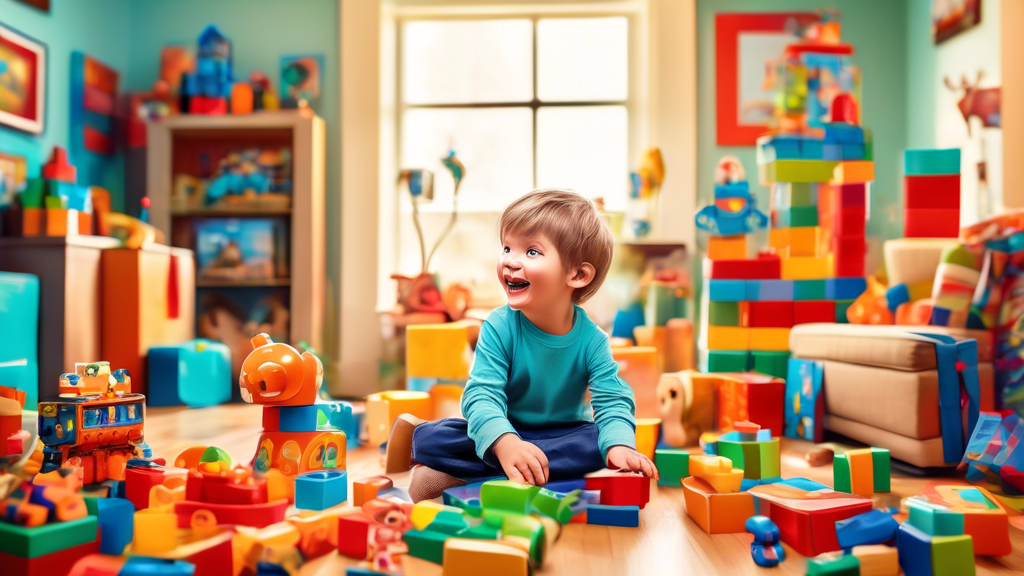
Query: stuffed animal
{"points": [[686, 401]]}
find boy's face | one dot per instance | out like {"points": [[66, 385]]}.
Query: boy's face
{"points": [[530, 270]]}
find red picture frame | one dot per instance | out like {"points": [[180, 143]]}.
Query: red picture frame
{"points": [[22, 81], [728, 28]]}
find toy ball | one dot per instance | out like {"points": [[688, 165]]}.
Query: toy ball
{"points": [[214, 460]]}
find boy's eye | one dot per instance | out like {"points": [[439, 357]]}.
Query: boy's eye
{"points": [[506, 250], [532, 252]]}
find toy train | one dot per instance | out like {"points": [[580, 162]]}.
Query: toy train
{"points": [[96, 424]]}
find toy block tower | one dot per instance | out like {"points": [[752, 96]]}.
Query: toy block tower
{"points": [[932, 193], [53, 204]]}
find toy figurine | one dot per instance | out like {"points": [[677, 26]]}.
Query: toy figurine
{"points": [[734, 208]]}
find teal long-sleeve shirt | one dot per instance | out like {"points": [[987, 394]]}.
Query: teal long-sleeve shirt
{"points": [[523, 374]]}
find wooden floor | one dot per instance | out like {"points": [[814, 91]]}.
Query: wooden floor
{"points": [[667, 541]]}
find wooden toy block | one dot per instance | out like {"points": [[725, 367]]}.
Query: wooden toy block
{"points": [[624, 516], [770, 339], [727, 290], [725, 313], [877, 560], [728, 338], [806, 267], [368, 488], [507, 495], [774, 364], [853, 172], [727, 247], [647, 435], [383, 407], [640, 369], [764, 267], [931, 162], [714, 512], [755, 398], [941, 191], [466, 557], [766, 314], [931, 223], [807, 312], [156, 532], [717, 471], [861, 472], [726, 361], [321, 489], [796, 171], [807, 518], [620, 488], [833, 565], [438, 351], [952, 555], [673, 465]]}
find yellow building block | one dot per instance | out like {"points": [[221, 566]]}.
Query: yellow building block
{"points": [[796, 171], [655, 336], [877, 560], [862, 478], [424, 512], [155, 531], [727, 247], [647, 435], [769, 339], [638, 367], [728, 338], [800, 241], [806, 267], [716, 471], [470, 556], [853, 172], [383, 407], [437, 351]]}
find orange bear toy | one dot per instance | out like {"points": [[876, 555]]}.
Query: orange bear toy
{"points": [[276, 374]]}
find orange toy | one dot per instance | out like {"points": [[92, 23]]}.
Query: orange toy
{"points": [[715, 512], [276, 374]]}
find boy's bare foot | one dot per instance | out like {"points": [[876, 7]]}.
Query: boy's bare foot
{"points": [[427, 483], [398, 455]]}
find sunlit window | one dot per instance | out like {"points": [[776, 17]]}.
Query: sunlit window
{"points": [[525, 101]]}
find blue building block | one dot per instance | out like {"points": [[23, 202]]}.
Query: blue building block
{"points": [[603, 515], [852, 151], [298, 418], [931, 162], [832, 151], [839, 133], [812, 149], [844, 288], [808, 289], [143, 566], [727, 290], [771, 291], [321, 489], [626, 320], [195, 373], [19, 338], [872, 527], [915, 550], [116, 519]]}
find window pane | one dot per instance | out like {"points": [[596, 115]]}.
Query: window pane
{"points": [[463, 61], [582, 59], [584, 148], [494, 144]]}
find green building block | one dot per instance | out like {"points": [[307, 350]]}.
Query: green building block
{"points": [[797, 216], [554, 505], [771, 363], [448, 522], [724, 313], [952, 556], [508, 496], [528, 528], [673, 465], [934, 519], [771, 458], [758, 460], [727, 361], [41, 540], [33, 193], [881, 467], [841, 307], [841, 479], [830, 565], [809, 290], [482, 531], [797, 171], [800, 194], [426, 545], [663, 304]]}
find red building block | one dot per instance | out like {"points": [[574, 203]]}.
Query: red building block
{"points": [[931, 223], [620, 488], [271, 419], [807, 312], [353, 535], [932, 191], [58, 167], [204, 105], [751, 397], [807, 519], [849, 222], [138, 482], [48, 564], [764, 267], [766, 314]]}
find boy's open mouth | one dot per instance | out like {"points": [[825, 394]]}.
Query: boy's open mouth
{"points": [[516, 286]]}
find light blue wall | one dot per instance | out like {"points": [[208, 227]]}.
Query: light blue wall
{"points": [[101, 29], [876, 29], [921, 88]]}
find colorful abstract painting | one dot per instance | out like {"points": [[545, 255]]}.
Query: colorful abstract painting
{"points": [[301, 78], [22, 81]]}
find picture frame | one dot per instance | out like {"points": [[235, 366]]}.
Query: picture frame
{"points": [[951, 17], [302, 78], [742, 41], [43, 5], [22, 81]]}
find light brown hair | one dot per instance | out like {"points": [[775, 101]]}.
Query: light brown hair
{"points": [[572, 223]]}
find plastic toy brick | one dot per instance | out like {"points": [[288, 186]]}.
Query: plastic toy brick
{"points": [[807, 518], [806, 267], [796, 171], [727, 247], [115, 518], [872, 527], [603, 515], [714, 512], [438, 351], [726, 361], [727, 290], [915, 551], [853, 171], [833, 565], [758, 460], [877, 560], [255, 515], [808, 290], [48, 538], [507, 495], [555, 505], [728, 338], [620, 488], [155, 532], [717, 471], [465, 556], [769, 339], [952, 555], [931, 162], [760, 268], [941, 191], [802, 241], [841, 307], [797, 217], [297, 418], [61, 222], [808, 312], [368, 488], [770, 291], [931, 223], [841, 133], [766, 314], [844, 288], [383, 407], [673, 465], [321, 489], [353, 535], [773, 364], [57, 562], [755, 398], [724, 313], [881, 469], [58, 167], [647, 435], [848, 222]]}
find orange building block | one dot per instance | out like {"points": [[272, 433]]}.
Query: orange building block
{"points": [[714, 512], [383, 407], [727, 247], [655, 337], [638, 366], [678, 345], [446, 400], [862, 480], [769, 339], [468, 556], [717, 471], [853, 172], [647, 435], [32, 221], [61, 222], [806, 268], [367, 489]]}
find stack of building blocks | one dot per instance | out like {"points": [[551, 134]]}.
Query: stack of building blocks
{"points": [[924, 554], [713, 496], [754, 398], [932, 193], [758, 457], [54, 204], [863, 471], [969, 510]]}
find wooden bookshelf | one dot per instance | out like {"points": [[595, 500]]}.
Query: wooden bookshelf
{"points": [[171, 145]]}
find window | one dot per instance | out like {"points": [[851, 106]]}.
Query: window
{"points": [[526, 102]]}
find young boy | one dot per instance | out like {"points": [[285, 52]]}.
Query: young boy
{"points": [[526, 417]]}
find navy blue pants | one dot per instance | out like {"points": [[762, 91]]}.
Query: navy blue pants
{"points": [[445, 445]]}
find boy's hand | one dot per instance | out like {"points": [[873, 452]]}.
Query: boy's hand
{"points": [[521, 460], [625, 458]]}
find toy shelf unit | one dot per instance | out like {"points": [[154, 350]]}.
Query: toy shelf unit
{"points": [[246, 192]]}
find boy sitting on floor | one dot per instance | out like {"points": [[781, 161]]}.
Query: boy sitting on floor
{"points": [[526, 417]]}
